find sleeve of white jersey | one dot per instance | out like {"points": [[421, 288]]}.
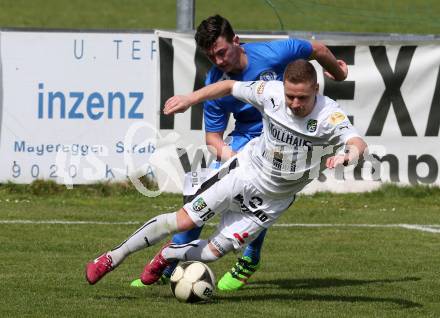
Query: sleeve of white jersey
{"points": [[250, 92], [337, 123], [341, 126]]}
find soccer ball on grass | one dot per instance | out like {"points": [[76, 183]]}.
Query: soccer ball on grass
{"points": [[192, 282]]}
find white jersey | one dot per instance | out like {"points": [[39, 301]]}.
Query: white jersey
{"points": [[291, 150]]}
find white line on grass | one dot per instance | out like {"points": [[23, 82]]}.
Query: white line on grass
{"points": [[67, 222], [431, 228]]}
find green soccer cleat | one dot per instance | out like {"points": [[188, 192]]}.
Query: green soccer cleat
{"points": [[238, 276], [137, 283], [163, 280]]}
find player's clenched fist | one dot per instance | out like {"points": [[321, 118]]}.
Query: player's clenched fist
{"points": [[334, 161], [343, 68]]}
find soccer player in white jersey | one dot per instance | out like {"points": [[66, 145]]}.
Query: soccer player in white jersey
{"points": [[303, 133]]}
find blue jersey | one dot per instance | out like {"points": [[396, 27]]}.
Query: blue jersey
{"points": [[266, 61]]}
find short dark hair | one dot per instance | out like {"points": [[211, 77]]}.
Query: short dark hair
{"points": [[210, 29], [300, 71]]}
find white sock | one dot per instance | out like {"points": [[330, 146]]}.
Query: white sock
{"points": [[197, 250], [148, 234]]}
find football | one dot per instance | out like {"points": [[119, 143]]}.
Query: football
{"points": [[192, 282]]}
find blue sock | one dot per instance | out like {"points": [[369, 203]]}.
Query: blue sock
{"points": [[253, 250], [182, 238]]}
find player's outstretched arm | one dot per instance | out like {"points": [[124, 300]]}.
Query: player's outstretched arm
{"points": [[180, 103], [334, 69], [355, 150]]}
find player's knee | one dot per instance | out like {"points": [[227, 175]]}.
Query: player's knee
{"points": [[184, 222]]}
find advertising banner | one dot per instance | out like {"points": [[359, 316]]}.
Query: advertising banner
{"points": [[392, 96], [87, 107], [77, 107]]}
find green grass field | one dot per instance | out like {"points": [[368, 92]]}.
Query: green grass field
{"points": [[332, 271], [326, 271], [389, 16]]}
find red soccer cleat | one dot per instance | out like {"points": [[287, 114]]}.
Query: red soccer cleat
{"points": [[98, 268], [153, 270]]}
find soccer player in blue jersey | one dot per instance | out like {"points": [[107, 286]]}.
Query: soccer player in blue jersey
{"points": [[244, 62]]}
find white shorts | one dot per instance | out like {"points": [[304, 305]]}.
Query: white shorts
{"points": [[245, 210], [194, 179]]}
